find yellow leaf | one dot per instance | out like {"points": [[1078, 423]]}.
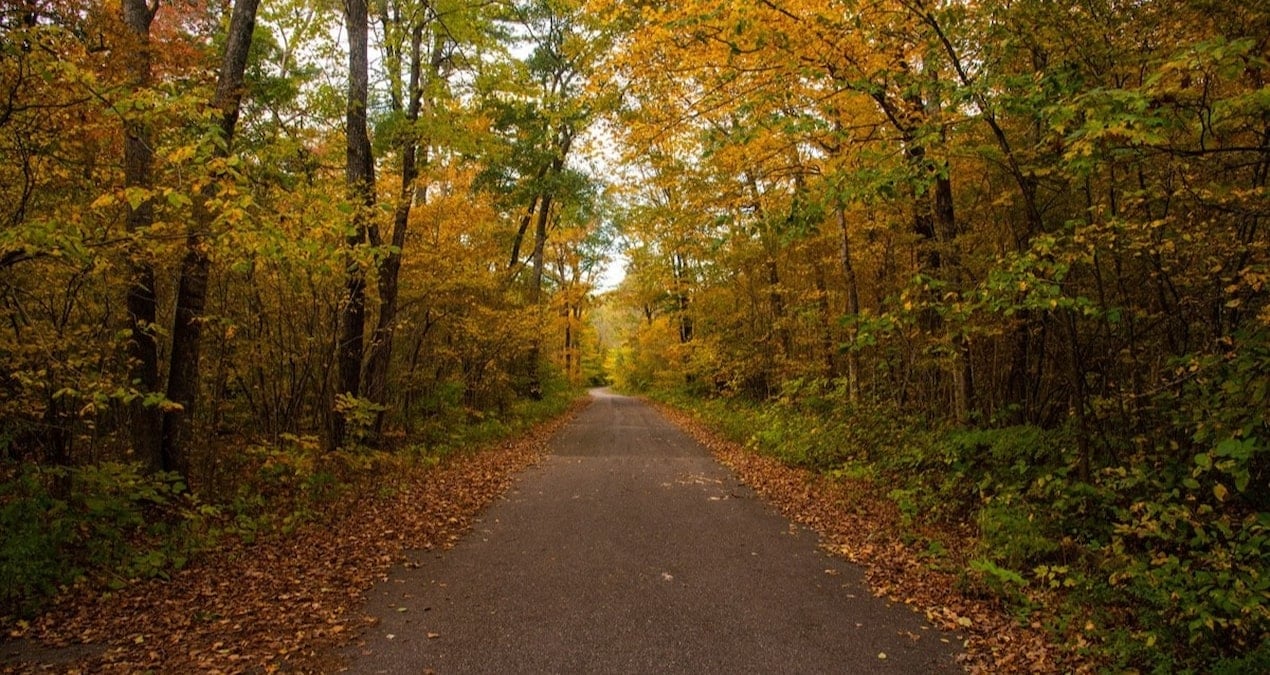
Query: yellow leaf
{"points": [[136, 196], [1219, 491], [182, 154]]}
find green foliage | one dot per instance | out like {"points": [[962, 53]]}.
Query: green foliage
{"points": [[361, 415], [30, 550], [1014, 536], [474, 428], [1000, 581], [109, 522]]}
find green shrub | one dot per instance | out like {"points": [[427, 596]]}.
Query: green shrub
{"points": [[35, 531], [1013, 535], [108, 521]]}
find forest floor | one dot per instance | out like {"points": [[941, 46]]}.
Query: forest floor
{"points": [[290, 603]]}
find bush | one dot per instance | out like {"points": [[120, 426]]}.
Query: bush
{"points": [[35, 532], [108, 521]]}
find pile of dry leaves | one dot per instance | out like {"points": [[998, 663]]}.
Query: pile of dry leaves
{"points": [[279, 604], [855, 522]]}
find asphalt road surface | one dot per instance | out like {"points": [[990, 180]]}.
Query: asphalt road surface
{"points": [[630, 550]]}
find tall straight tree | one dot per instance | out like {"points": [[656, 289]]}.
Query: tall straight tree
{"points": [[404, 31], [143, 348], [359, 174], [191, 298]]}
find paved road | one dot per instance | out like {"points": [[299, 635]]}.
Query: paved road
{"points": [[630, 550]]}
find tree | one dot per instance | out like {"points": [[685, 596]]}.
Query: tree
{"points": [[359, 175], [541, 112], [143, 347], [407, 30], [191, 297]]}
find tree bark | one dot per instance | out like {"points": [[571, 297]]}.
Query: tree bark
{"points": [[679, 270], [853, 310], [540, 245], [776, 300], [359, 174], [143, 348], [191, 298]]}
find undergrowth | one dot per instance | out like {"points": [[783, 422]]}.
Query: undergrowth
{"points": [[105, 525]]}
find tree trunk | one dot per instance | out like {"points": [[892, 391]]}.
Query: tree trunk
{"points": [[535, 295], [1076, 374], [191, 298], [947, 230], [390, 268], [826, 322], [143, 348], [540, 245], [359, 176], [776, 300], [853, 310], [679, 270]]}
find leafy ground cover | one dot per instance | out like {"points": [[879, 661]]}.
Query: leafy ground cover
{"points": [[282, 600]]}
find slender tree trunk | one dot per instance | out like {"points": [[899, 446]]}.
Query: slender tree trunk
{"points": [[360, 179], [826, 322], [678, 269], [1078, 397], [540, 246], [947, 229], [776, 300], [568, 341], [390, 268], [853, 310], [191, 298], [519, 241], [143, 348], [535, 294], [576, 319]]}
